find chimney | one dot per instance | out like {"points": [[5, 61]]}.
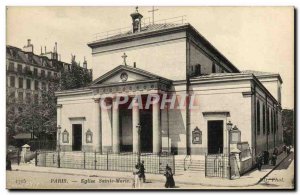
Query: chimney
{"points": [[45, 50], [28, 47], [84, 63], [134, 64], [55, 47], [136, 21]]}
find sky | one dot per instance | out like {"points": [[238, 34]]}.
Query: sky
{"points": [[252, 38]]}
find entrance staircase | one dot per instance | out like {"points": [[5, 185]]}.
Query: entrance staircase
{"points": [[190, 163]]}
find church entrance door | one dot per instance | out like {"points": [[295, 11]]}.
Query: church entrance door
{"points": [[77, 137], [146, 131], [215, 136]]}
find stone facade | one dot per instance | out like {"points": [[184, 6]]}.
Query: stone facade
{"points": [[174, 60]]}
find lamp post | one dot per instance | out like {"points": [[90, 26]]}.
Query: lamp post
{"points": [[58, 155], [229, 127], [138, 127]]}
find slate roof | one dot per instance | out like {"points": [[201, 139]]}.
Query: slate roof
{"points": [[17, 54]]}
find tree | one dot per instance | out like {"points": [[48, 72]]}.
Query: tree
{"points": [[288, 126], [76, 77], [40, 118]]}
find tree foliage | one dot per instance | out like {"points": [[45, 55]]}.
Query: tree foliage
{"points": [[288, 126], [40, 118], [76, 77]]}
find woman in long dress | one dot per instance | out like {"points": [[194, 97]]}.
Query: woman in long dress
{"points": [[170, 183]]}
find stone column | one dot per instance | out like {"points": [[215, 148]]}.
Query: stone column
{"points": [[156, 127], [116, 127], [97, 136], [135, 129]]}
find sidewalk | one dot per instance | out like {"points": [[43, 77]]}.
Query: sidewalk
{"points": [[184, 177]]}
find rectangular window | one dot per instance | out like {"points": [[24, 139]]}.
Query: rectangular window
{"points": [[55, 75], [264, 119], [213, 68], [12, 97], [12, 81], [268, 121], [43, 86], [42, 73], [20, 96], [11, 66], [258, 117], [28, 84], [28, 97], [198, 70], [48, 74], [36, 85], [36, 98], [20, 82], [20, 69], [35, 71]]}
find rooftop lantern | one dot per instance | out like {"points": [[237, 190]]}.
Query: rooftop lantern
{"points": [[136, 21]]}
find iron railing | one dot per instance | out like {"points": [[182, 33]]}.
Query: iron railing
{"points": [[145, 22], [216, 165], [154, 163]]}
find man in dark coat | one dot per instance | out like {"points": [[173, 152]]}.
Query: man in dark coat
{"points": [[142, 171], [259, 161]]}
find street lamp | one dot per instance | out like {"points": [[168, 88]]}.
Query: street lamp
{"points": [[229, 127], [139, 141], [58, 156], [58, 139]]}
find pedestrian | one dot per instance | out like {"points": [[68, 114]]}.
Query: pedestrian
{"points": [[266, 157], [142, 170], [259, 161], [274, 156], [8, 163], [288, 150], [284, 149], [136, 181], [170, 183]]}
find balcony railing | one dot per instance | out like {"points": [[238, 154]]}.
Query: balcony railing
{"points": [[145, 22]]}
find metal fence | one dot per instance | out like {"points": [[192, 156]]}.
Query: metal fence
{"points": [[216, 165], [42, 145], [111, 162]]}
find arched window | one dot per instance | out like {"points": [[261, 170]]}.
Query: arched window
{"points": [[258, 117], [264, 119]]}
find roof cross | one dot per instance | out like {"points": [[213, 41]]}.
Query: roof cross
{"points": [[124, 56], [153, 10]]}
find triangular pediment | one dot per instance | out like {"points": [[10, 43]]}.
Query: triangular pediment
{"points": [[123, 74]]}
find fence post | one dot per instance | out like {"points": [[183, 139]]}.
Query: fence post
{"points": [[159, 166], [95, 160], [36, 159], [83, 160], [58, 159], [107, 160], [18, 157], [174, 163], [205, 164]]}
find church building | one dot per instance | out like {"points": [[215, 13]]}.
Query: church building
{"points": [[170, 60]]}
